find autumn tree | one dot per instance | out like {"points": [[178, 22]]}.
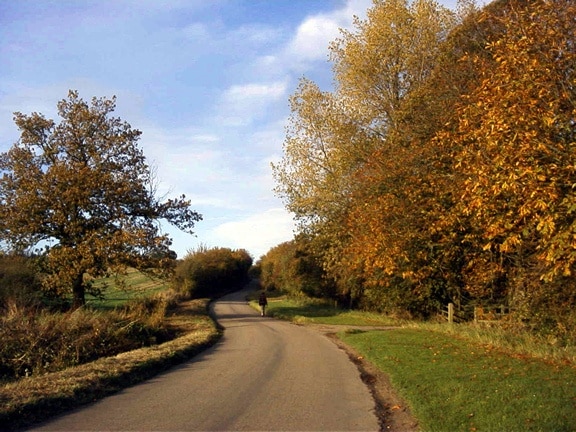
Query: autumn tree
{"points": [[516, 135], [82, 189], [338, 143]]}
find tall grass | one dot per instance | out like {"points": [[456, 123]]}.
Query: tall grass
{"points": [[512, 339], [37, 341], [25, 401]]}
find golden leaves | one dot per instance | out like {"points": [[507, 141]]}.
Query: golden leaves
{"points": [[84, 186], [437, 158]]}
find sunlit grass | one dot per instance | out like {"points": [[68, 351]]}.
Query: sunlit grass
{"points": [[318, 311], [136, 285], [453, 384]]}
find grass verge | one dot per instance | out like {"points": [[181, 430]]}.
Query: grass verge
{"points": [[321, 312], [453, 384], [30, 400]]}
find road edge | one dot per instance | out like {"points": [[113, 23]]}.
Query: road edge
{"points": [[391, 410]]}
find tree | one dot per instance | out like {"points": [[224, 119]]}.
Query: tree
{"points": [[345, 149], [516, 135], [82, 189]]}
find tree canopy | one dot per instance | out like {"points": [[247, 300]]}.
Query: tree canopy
{"points": [[441, 166], [83, 191]]}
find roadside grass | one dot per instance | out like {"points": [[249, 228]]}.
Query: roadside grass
{"points": [[37, 398], [453, 384], [459, 377], [318, 311], [507, 337]]}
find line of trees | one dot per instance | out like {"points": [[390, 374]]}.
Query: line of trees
{"points": [[442, 166]]}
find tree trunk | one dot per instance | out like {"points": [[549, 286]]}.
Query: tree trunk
{"points": [[78, 292]]}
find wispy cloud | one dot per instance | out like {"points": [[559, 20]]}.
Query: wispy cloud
{"points": [[242, 104]]}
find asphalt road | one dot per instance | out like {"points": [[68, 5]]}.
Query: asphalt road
{"points": [[264, 375]]}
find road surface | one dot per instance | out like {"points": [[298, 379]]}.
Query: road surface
{"points": [[263, 375]]}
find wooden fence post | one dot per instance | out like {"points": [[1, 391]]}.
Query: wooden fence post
{"points": [[450, 313]]}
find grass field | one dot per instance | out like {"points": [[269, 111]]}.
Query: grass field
{"points": [[453, 382], [454, 385], [136, 285]]}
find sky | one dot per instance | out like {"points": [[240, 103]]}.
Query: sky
{"points": [[206, 81]]}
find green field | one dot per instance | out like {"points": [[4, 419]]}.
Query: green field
{"points": [[136, 285]]}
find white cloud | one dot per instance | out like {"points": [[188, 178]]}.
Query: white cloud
{"points": [[313, 37], [258, 232], [311, 41], [241, 104]]}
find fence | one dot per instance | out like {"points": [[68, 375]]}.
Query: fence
{"points": [[450, 314], [482, 314]]}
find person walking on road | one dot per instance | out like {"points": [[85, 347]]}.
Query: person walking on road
{"points": [[263, 302]]}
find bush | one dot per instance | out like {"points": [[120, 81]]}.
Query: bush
{"points": [[212, 272], [293, 268], [19, 281]]}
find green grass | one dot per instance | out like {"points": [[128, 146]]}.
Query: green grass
{"points": [[136, 284], [456, 385], [322, 312]]}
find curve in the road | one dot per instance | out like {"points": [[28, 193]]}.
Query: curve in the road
{"points": [[263, 375]]}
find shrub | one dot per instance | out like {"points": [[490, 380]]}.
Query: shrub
{"points": [[19, 281], [212, 272], [293, 268]]}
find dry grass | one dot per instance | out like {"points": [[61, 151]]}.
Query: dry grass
{"points": [[32, 399], [514, 340]]}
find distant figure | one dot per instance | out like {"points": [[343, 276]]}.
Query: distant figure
{"points": [[263, 302]]}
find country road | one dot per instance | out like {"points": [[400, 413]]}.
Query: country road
{"points": [[263, 375]]}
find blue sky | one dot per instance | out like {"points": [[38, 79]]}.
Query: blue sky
{"points": [[206, 81]]}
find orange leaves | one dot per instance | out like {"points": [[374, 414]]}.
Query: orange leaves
{"points": [[515, 133], [441, 162]]}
